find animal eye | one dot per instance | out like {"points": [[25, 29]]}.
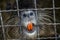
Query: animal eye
{"points": [[24, 15], [31, 14]]}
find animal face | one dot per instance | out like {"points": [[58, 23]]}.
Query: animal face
{"points": [[28, 16]]}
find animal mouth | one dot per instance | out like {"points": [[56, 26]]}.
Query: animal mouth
{"points": [[30, 26], [30, 30]]}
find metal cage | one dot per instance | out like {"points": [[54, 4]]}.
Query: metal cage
{"points": [[10, 18]]}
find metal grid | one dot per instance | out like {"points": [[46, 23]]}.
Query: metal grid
{"points": [[37, 19]]}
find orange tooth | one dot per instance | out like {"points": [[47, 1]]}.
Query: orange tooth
{"points": [[30, 26]]}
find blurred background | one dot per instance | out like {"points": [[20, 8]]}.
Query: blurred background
{"points": [[48, 19]]}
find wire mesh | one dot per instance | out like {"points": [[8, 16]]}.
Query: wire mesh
{"points": [[54, 7]]}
